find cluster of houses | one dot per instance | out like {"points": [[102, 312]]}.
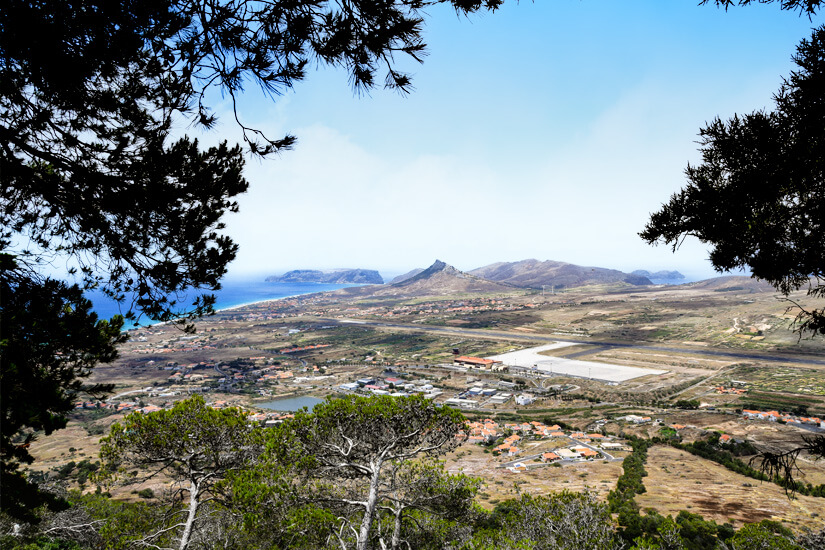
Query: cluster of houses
{"points": [[263, 419], [730, 391], [273, 376], [390, 385], [181, 378], [188, 343], [266, 374], [472, 397], [269, 419], [486, 432], [635, 419], [128, 406], [775, 416]]}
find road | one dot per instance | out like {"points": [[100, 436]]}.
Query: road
{"points": [[483, 333]]}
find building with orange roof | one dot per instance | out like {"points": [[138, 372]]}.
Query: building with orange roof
{"points": [[475, 362], [585, 452], [501, 448]]}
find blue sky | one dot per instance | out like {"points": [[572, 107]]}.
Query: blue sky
{"points": [[546, 130]]}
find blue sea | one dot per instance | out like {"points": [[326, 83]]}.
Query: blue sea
{"points": [[234, 292]]}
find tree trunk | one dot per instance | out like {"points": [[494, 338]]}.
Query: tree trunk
{"points": [[396, 532], [369, 510], [194, 495]]}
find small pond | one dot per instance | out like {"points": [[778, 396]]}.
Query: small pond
{"points": [[292, 404]]}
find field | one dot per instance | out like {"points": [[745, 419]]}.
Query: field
{"points": [[678, 480]]}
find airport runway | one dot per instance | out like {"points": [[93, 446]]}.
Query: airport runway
{"points": [[541, 338]]}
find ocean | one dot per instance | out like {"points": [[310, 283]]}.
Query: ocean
{"points": [[234, 292]]}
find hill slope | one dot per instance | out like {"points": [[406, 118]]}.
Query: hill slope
{"points": [[439, 279], [333, 276], [406, 276], [534, 274]]}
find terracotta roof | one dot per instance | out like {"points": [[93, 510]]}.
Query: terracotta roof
{"points": [[480, 360]]}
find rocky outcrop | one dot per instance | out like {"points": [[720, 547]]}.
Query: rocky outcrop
{"points": [[441, 279], [662, 275]]}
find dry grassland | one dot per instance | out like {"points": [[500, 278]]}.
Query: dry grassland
{"points": [[678, 480], [53, 450]]}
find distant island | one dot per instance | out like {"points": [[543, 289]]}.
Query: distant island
{"points": [[523, 274], [332, 276], [535, 274], [665, 275]]}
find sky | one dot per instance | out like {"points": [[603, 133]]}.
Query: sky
{"points": [[547, 130]]}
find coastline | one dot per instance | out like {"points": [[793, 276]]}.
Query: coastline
{"points": [[221, 310], [106, 308], [255, 302]]}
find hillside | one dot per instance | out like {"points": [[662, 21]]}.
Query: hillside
{"points": [[534, 274], [439, 279], [731, 283], [406, 276], [334, 276]]}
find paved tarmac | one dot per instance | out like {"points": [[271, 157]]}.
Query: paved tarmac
{"points": [[531, 358]]}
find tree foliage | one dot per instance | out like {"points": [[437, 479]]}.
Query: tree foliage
{"points": [[363, 469], [193, 444], [756, 198], [94, 175], [561, 521], [806, 7], [87, 161], [49, 344], [765, 535]]}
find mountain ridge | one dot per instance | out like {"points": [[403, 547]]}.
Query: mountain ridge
{"points": [[533, 273], [329, 276]]}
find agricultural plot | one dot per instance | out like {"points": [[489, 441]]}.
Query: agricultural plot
{"points": [[785, 379]]}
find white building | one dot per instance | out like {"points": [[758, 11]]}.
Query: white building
{"points": [[524, 399]]}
